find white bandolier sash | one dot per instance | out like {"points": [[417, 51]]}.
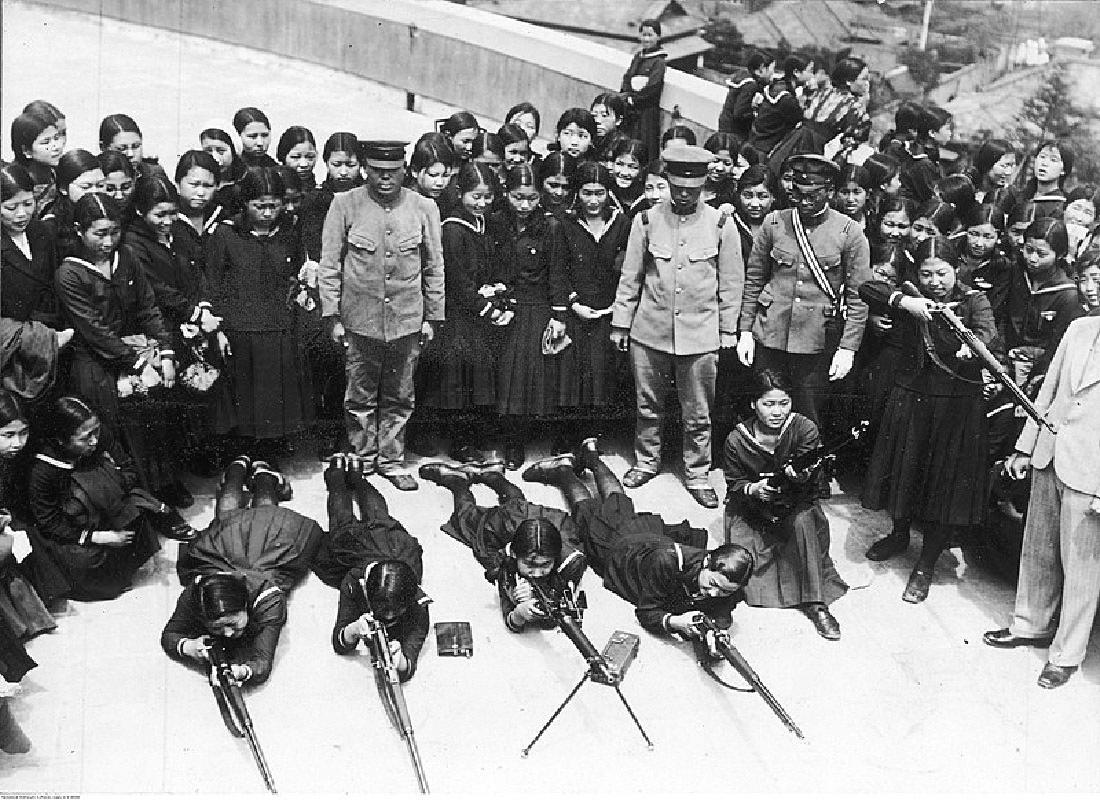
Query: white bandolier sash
{"points": [[816, 270]]}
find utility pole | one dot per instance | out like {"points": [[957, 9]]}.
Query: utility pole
{"points": [[924, 25]]}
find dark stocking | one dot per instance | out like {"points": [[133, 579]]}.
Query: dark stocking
{"points": [[265, 490], [231, 493], [372, 505], [505, 489], [935, 540], [571, 486], [607, 483]]}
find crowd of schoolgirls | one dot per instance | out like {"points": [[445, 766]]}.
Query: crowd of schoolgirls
{"points": [[155, 322]]}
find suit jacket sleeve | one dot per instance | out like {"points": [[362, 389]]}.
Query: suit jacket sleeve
{"points": [[414, 630], [259, 653], [47, 492], [347, 611], [756, 275], [330, 270], [856, 258], [731, 278], [629, 292], [432, 274], [183, 624], [1052, 384], [650, 610]]}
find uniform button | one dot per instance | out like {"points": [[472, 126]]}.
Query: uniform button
{"points": [[679, 289], [677, 313], [682, 243], [387, 299], [389, 254], [799, 282], [388, 231], [798, 299]]}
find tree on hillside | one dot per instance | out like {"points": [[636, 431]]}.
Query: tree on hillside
{"points": [[1050, 113]]}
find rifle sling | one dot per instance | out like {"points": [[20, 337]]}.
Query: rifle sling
{"points": [[227, 715], [707, 668]]}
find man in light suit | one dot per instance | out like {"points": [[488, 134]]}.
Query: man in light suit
{"points": [[1059, 586]]}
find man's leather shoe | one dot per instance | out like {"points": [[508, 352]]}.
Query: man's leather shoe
{"points": [[402, 481], [888, 547], [920, 581], [1054, 676], [1005, 638], [542, 471], [703, 495], [637, 477], [824, 621], [438, 471]]}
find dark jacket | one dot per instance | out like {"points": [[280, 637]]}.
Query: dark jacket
{"points": [[528, 262], [175, 272], [27, 284], [592, 267], [737, 112], [779, 113]]}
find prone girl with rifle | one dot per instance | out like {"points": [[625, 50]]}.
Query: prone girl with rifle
{"points": [[781, 521]]}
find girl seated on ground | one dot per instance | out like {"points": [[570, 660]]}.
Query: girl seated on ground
{"points": [[95, 523]]}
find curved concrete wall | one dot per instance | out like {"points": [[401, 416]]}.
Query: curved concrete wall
{"points": [[459, 56]]}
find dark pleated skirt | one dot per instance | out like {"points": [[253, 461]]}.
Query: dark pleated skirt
{"points": [[792, 563], [103, 573], [527, 381], [929, 461], [589, 370], [357, 543], [457, 369], [612, 524], [20, 605], [14, 664], [271, 386], [270, 542]]}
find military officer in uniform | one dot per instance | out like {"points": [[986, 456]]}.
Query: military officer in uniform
{"points": [[677, 302], [801, 314], [381, 286]]}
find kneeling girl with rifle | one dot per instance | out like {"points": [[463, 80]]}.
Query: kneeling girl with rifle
{"points": [[773, 508]]}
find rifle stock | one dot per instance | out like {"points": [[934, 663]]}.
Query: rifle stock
{"points": [[393, 697], [230, 699], [734, 658]]}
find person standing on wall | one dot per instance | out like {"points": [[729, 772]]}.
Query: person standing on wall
{"points": [[381, 286], [676, 305], [801, 314], [643, 84]]}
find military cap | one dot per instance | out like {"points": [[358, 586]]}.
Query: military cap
{"points": [[686, 165], [811, 170], [383, 154]]}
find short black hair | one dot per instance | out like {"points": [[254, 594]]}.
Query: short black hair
{"points": [[732, 561]]}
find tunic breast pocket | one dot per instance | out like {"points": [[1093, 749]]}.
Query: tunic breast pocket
{"points": [[781, 258], [362, 241], [830, 262], [406, 244]]}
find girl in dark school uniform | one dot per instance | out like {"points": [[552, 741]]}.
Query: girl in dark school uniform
{"points": [[96, 525], [21, 607], [780, 109], [431, 166], [994, 165], [119, 178], [555, 182], [854, 193], [526, 116], [231, 168], [530, 247], [792, 564], [488, 149], [238, 572], [119, 132], [28, 253], [929, 461], [461, 128], [643, 83], [78, 173], [754, 200], [589, 371], [297, 149], [254, 128], [627, 160], [196, 183], [38, 144], [728, 163], [609, 111], [1052, 166], [376, 565], [517, 147], [983, 264], [457, 371], [576, 133], [251, 267], [104, 294], [341, 157]]}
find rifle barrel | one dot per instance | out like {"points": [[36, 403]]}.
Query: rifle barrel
{"points": [[738, 662]]}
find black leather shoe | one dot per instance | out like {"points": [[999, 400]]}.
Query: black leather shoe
{"points": [[637, 477], [1054, 676], [1004, 638], [888, 547], [438, 471], [542, 471], [514, 456], [703, 495], [402, 481], [920, 581], [824, 621]]}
